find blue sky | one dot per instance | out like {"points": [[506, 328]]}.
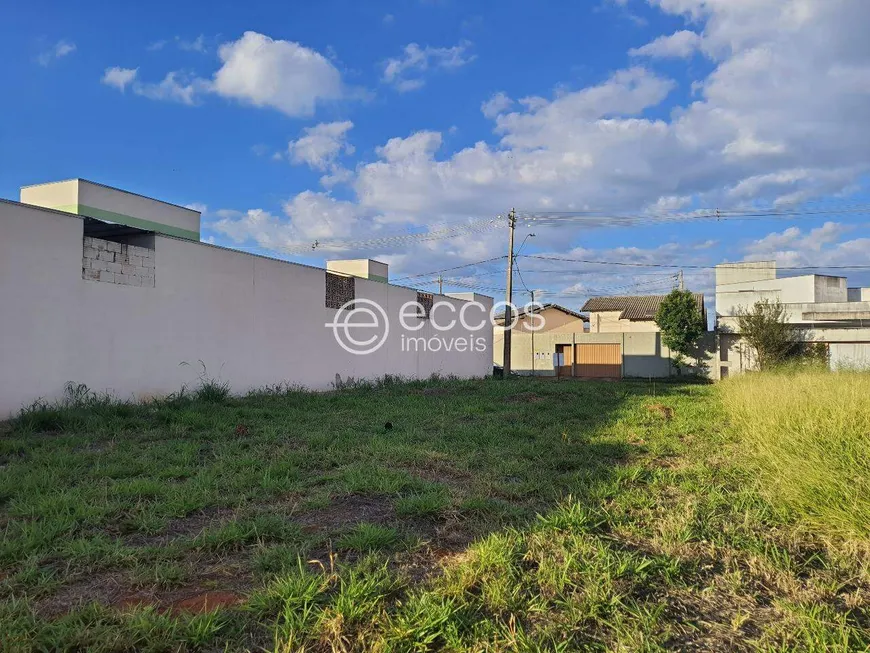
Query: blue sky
{"points": [[348, 121]]}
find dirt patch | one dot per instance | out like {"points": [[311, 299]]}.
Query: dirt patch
{"points": [[205, 602], [525, 398], [189, 526], [216, 583], [438, 471], [100, 587], [665, 412], [348, 511]]}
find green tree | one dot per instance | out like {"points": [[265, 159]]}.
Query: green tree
{"points": [[681, 323], [765, 330]]}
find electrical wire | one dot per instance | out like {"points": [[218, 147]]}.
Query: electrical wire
{"points": [[694, 267], [456, 267]]}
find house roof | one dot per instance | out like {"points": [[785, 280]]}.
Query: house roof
{"points": [[640, 308], [544, 307]]}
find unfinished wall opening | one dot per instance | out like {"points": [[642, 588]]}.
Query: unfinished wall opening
{"points": [[339, 290], [118, 254], [426, 300]]}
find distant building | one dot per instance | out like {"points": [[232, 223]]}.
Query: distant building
{"points": [[556, 319], [629, 314], [628, 344], [823, 307]]}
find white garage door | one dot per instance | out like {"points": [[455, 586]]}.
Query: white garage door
{"points": [[850, 355]]}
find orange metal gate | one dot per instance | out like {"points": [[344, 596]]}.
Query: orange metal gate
{"points": [[598, 361], [567, 352]]}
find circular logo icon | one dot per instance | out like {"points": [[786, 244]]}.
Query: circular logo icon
{"points": [[355, 321]]}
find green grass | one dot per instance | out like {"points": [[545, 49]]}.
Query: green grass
{"points": [[809, 435], [495, 515]]}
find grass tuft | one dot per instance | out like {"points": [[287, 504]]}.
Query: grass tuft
{"points": [[369, 537]]}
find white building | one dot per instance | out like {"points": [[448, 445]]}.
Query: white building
{"points": [[114, 290], [822, 306]]}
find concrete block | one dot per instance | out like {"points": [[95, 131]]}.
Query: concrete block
{"points": [[114, 267], [142, 272], [122, 279], [128, 269], [135, 260], [90, 252], [148, 281], [113, 247], [107, 256], [148, 262], [106, 276], [86, 264], [88, 241], [91, 275]]}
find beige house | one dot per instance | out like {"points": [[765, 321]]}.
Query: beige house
{"points": [[556, 319], [628, 314], [567, 348]]}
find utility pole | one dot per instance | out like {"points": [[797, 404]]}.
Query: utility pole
{"points": [[682, 284], [440, 285], [509, 295], [532, 293]]}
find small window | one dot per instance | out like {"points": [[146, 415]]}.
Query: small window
{"points": [[339, 290], [426, 300]]}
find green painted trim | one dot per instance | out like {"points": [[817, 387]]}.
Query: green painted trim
{"points": [[373, 277], [129, 220]]}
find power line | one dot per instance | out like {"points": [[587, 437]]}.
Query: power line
{"points": [[605, 219], [456, 267], [676, 266]]}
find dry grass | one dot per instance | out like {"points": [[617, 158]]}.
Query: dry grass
{"points": [[808, 433]]}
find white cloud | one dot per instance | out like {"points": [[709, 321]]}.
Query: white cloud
{"points": [[197, 45], [388, 19], [496, 105], [819, 247], [119, 78], [175, 87], [405, 73], [260, 71], [310, 217], [197, 206], [155, 46], [681, 45], [59, 50], [283, 75], [747, 137], [321, 145]]}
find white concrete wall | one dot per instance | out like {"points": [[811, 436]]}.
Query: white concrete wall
{"points": [[137, 206], [104, 203], [252, 321], [734, 273], [850, 355], [858, 294], [830, 289]]}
